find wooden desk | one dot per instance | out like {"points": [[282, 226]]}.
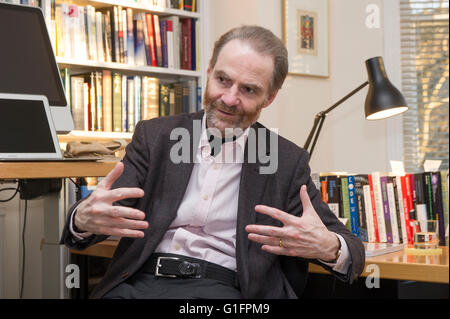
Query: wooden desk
{"points": [[17, 170], [400, 266], [397, 265]]}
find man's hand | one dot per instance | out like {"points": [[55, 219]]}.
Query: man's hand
{"points": [[97, 215], [304, 236]]}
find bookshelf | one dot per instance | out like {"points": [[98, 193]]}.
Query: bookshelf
{"points": [[122, 61]]}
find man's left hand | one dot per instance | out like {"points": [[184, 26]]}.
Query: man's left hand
{"points": [[304, 236]]}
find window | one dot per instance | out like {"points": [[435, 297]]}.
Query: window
{"points": [[424, 72]]}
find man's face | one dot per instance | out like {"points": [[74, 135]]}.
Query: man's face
{"points": [[237, 87]]}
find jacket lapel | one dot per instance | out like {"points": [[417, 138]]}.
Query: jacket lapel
{"points": [[251, 190]]}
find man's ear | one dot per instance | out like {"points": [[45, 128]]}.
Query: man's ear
{"points": [[270, 99]]}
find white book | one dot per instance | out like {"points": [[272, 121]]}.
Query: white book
{"points": [[376, 249], [99, 36], [91, 33], [393, 213], [379, 206], [369, 216]]}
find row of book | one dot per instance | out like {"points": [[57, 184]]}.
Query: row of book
{"points": [[118, 34], [113, 102], [380, 208], [186, 5]]}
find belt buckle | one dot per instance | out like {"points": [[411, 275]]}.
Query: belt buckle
{"points": [[158, 265]]}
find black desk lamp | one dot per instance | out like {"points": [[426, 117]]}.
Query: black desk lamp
{"points": [[383, 100]]}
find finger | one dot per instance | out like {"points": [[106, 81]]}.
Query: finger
{"points": [[304, 197], [103, 222], [124, 212], [123, 193], [266, 230], [112, 176], [265, 240], [121, 232], [283, 217], [277, 250]]}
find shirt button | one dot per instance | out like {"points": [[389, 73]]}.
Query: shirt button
{"points": [[177, 246], [215, 166], [205, 197]]}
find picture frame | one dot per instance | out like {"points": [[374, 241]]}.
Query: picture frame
{"points": [[305, 34]]}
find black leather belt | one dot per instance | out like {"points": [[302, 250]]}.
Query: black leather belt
{"points": [[178, 266]]}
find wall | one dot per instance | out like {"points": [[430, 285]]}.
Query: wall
{"points": [[348, 142]]}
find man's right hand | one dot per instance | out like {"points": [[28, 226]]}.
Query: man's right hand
{"points": [[97, 215]]}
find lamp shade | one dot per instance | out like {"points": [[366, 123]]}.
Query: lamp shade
{"points": [[383, 98]]}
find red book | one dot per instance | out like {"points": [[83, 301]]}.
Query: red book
{"points": [[407, 205], [323, 185], [151, 38], [374, 211]]}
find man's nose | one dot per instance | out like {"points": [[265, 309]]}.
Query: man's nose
{"points": [[231, 96]]}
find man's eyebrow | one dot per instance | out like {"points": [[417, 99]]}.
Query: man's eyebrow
{"points": [[254, 86]]}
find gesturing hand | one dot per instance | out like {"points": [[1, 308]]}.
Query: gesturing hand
{"points": [[97, 215], [304, 236]]}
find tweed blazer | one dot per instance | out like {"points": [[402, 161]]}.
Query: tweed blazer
{"points": [[147, 165]]}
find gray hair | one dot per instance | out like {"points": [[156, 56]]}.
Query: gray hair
{"points": [[263, 41]]}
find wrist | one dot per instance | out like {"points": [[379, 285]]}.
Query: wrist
{"points": [[334, 249]]}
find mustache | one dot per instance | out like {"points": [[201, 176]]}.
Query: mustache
{"points": [[218, 104]]}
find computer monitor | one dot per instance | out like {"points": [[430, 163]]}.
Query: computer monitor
{"points": [[27, 61]]}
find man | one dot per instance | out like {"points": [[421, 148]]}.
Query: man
{"points": [[205, 228]]}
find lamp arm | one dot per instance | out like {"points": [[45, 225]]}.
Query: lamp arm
{"points": [[320, 118]]}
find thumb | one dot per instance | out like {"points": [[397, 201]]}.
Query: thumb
{"points": [[304, 197], [112, 176]]}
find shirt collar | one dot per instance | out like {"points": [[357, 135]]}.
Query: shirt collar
{"points": [[240, 141]]}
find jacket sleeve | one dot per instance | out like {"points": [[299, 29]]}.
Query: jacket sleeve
{"points": [[355, 246], [135, 166]]}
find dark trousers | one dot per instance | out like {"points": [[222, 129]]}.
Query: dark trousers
{"points": [[147, 286]]}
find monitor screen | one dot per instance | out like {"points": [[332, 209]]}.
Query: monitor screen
{"points": [[27, 61], [24, 134]]}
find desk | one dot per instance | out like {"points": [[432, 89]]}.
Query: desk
{"points": [[397, 265], [55, 207], [22, 170]]}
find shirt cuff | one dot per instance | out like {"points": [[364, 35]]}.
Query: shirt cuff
{"points": [[343, 262], [79, 236]]}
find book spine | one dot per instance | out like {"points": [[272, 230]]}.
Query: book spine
{"points": [[401, 209], [157, 35], [107, 100], [353, 206], [393, 212], [407, 208], [117, 102], [345, 202], [429, 196], [445, 199], [369, 217], [151, 39], [374, 210], [124, 103], [130, 36], [386, 211], [379, 206], [438, 208], [323, 189]]}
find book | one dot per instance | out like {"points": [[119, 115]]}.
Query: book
{"points": [[399, 200], [360, 181], [437, 203], [107, 101], [386, 209], [393, 210], [353, 206], [379, 207], [77, 84], [374, 219], [117, 102], [345, 202]]}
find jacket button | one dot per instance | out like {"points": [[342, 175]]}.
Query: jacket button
{"points": [[125, 275]]}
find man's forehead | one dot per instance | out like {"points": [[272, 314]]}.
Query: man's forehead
{"points": [[238, 58]]}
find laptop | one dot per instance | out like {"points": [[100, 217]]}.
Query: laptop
{"points": [[27, 131]]}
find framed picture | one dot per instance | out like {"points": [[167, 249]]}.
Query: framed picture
{"points": [[305, 34]]}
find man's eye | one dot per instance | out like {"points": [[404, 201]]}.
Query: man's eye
{"points": [[221, 79], [249, 90]]}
